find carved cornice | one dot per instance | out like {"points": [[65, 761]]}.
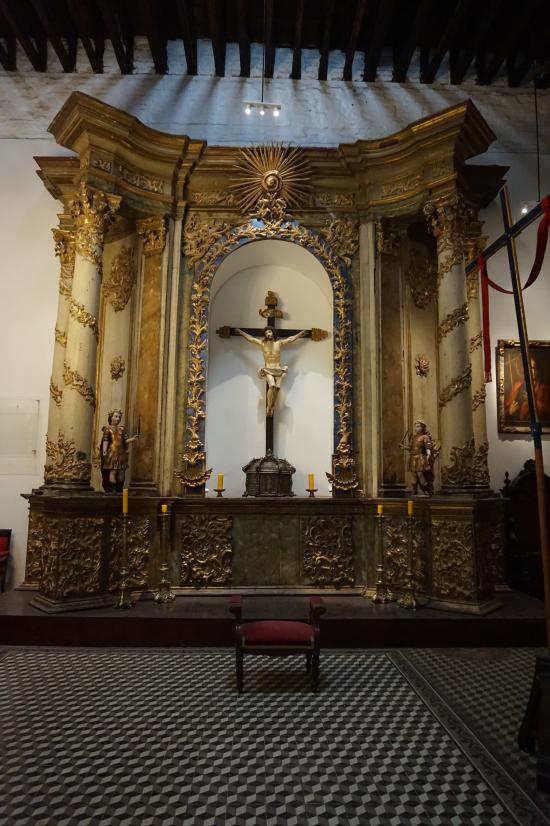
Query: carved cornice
{"points": [[117, 288], [153, 232], [343, 237], [63, 461], [78, 383], [81, 314], [93, 213], [452, 320], [456, 386]]}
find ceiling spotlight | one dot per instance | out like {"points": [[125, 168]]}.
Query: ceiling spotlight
{"points": [[262, 107], [276, 112], [248, 108], [524, 208], [262, 111]]}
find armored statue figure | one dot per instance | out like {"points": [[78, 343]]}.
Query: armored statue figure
{"points": [[114, 452], [422, 455]]}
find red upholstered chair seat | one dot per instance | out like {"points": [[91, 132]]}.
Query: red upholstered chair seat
{"points": [[277, 633], [5, 537]]}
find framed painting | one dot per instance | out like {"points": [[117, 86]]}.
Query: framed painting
{"points": [[512, 406]]}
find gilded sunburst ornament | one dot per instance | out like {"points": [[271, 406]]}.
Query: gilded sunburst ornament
{"points": [[273, 172]]}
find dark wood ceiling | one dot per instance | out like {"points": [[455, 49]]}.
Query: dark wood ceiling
{"points": [[496, 39]]}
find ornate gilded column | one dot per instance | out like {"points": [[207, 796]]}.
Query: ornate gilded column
{"points": [[64, 238], [152, 231], [93, 213], [445, 219]]}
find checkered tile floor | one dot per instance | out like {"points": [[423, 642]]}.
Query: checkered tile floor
{"points": [[120, 737]]}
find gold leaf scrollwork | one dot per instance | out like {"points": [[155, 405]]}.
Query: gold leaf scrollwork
{"points": [[421, 365], [81, 314], [452, 320], [479, 397], [64, 462], [93, 213], [198, 236], [396, 553], [481, 466], [456, 386], [272, 173], [141, 181], [335, 199], [472, 285], [468, 466], [64, 241], [343, 237], [153, 232], [475, 342], [35, 548], [401, 185], [137, 553], [118, 366], [55, 393], [445, 219], [117, 288], [73, 379], [60, 337], [421, 276], [387, 237], [453, 571], [328, 550], [206, 551], [71, 558]]}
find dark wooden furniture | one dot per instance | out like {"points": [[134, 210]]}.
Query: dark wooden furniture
{"points": [[278, 638], [5, 538]]}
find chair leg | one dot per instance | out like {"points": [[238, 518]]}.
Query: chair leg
{"points": [[240, 671], [315, 671], [308, 663]]}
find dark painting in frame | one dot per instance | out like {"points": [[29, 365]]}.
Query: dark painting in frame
{"points": [[512, 408]]}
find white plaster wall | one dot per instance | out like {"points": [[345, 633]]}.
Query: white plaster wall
{"points": [[235, 431], [314, 113]]}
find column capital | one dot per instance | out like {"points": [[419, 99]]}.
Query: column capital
{"points": [[93, 213], [153, 232]]}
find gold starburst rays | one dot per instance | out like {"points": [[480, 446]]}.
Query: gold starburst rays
{"points": [[273, 171]]}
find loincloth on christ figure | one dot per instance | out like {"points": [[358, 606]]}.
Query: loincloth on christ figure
{"points": [[275, 372]]}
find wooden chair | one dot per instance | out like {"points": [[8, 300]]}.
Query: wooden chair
{"points": [[5, 537], [278, 638]]}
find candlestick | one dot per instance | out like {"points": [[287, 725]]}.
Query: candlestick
{"points": [[124, 598], [219, 491], [382, 593], [408, 598], [164, 592], [379, 509], [125, 500]]}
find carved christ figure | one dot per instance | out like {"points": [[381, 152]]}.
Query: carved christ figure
{"points": [[272, 371]]}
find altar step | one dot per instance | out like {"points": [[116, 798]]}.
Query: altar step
{"points": [[350, 622]]}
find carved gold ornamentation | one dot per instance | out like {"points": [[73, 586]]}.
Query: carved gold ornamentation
{"points": [[198, 236], [193, 473], [328, 550], [456, 386], [78, 383], [396, 552], [118, 366], [452, 320], [56, 393], [60, 337], [445, 219], [153, 232], [272, 171], [476, 341], [453, 572], [102, 163], [117, 288], [387, 237], [206, 551], [479, 397], [93, 213], [439, 169], [64, 241], [472, 285], [343, 237], [213, 198], [35, 548], [421, 276], [71, 558], [490, 542], [399, 186], [137, 564], [141, 181], [80, 314], [421, 365], [335, 199], [468, 466], [63, 462]]}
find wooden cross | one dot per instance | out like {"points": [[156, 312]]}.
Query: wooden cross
{"points": [[271, 314], [507, 239]]}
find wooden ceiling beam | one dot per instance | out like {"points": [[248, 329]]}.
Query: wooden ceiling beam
{"points": [[403, 60], [37, 50], [185, 17], [157, 42], [380, 31], [119, 34], [434, 62], [8, 49], [488, 69], [460, 62], [94, 46], [296, 72], [353, 38], [217, 36], [325, 40], [244, 39], [517, 69], [66, 53], [269, 44]]}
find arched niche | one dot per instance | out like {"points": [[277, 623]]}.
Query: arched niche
{"points": [[235, 423]]}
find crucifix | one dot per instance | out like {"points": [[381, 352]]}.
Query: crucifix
{"points": [[271, 340]]}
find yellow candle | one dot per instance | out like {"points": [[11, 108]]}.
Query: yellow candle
{"points": [[220, 481], [164, 508], [125, 500], [311, 481], [379, 509], [410, 507]]}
